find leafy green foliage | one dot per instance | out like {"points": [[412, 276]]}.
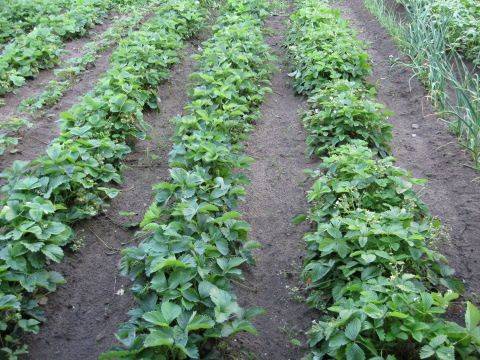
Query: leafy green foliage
{"points": [[74, 67], [369, 264], [318, 55], [462, 19], [196, 242], [9, 131], [350, 177], [41, 48], [20, 16], [73, 180], [342, 111]]}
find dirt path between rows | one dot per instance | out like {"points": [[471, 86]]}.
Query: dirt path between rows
{"points": [[422, 144], [83, 315], [275, 196]]}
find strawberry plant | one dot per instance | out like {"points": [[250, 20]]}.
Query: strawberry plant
{"points": [[370, 264], [19, 17], [342, 111], [317, 55], [73, 179], [195, 240], [8, 132]]}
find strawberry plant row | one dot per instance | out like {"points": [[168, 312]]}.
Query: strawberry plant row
{"points": [[71, 181], [18, 17], [67, 75], [41, 48], [195, 241], [370, 264]]}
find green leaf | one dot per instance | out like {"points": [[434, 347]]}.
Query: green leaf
{"points": [[445, 353], [38, 207], [337, 341], [110, 192], [472, 316], [153, 213], [368, 258], [27, 183], [354, 352], [159, 337], [170, 311], [206, 208], [437, 341], [353, 329], [33, 247], [155, 317], [30, 325], [53, 252], [7, 213], [225, 306], [9, 302], [17, 80], [160, 263], [227, 216], [397, 314], [298, 219], [373, 311], [190, 209], [426, 352], [200, 322]]}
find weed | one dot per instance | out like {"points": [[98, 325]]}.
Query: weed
{"points": [[77, 244]]}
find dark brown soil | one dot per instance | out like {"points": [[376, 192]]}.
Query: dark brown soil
{"points": [[275, 196], [423, 144], [83, 315]]}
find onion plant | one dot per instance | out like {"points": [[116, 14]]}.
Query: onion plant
{"points": [[452, 85]]}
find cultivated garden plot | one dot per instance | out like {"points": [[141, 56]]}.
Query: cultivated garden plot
{"points": [[202, 179]]}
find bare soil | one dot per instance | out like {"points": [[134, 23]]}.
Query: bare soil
{"points": [[275, 196], [423, 144], [83, 315]]}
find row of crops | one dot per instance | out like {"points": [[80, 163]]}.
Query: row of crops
{"points": [[41, 48], [71, 181], [370, 266], [68, 72], [20, 16], [459, 18], [195, 241], [23, 56]]}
